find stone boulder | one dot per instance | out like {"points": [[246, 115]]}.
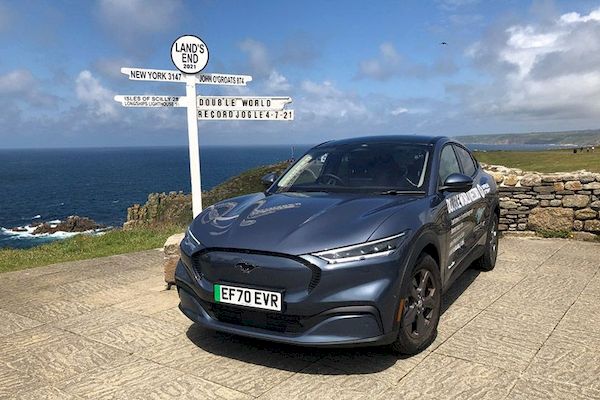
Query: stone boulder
{"points": [[585, 213], [73, 223], [511, 180], [551, 219], [171, 256], [573, 185], [531, 180], [576, 201], [592, 225]]}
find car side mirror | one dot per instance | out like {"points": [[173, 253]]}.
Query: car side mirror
{"points": [[457, 183], [268, 179]]}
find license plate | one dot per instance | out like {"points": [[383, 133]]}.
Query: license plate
{"points": [[255, 298]]}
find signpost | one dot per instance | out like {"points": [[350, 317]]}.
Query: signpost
{"points": [[190, 55]]}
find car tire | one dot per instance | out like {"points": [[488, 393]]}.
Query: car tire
{"points": [[421, 308], [487, 261]]}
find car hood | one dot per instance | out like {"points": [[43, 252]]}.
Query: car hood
{"points": [[294, 223]]}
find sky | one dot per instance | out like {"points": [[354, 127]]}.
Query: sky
{"points": [[351, 67]]}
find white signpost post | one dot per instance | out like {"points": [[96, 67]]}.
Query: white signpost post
{"points": [[190, 55]]}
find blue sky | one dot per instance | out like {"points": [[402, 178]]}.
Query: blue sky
{"points": [[352, 68]]}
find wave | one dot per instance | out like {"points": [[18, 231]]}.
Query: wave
{"points": [[26, 232], [37, 217]]}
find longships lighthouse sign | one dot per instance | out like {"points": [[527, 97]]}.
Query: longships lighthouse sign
{"points": [[190, 55]]}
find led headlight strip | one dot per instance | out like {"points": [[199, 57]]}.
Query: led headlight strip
{"points": [[362, 251]]}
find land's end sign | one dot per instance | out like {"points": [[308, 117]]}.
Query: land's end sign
{"points": [[189, 54]]}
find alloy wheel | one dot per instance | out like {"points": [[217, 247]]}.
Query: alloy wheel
{"points": [[422, 304]]}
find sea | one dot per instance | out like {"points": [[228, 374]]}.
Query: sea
{"points": [[100, 183]]}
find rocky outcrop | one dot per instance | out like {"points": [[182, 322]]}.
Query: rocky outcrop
{"points": [[73, 223], [173, 208], [562, 201]]}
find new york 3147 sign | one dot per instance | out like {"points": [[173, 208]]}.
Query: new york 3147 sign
{"points": [[189, 53]]}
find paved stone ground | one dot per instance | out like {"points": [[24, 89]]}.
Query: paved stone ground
{"points": [[106, 328]]}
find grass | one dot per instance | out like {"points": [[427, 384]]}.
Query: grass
{"points": [[83, 247], [543, 161], [554, 234]]}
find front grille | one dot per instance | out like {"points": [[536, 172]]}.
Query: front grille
{"points": [[315, 271], [257, 319]]}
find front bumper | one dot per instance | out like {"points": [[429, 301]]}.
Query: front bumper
{"points": [[350, 305]]}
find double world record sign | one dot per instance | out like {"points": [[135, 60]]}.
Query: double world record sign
{"points": [[244, 107]]}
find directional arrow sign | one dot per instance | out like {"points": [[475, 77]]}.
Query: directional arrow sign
{"points": [[223, 79], [151, 101], [144, 74], [242, 103], [249, 115]]}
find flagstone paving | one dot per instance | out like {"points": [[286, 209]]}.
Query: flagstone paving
{"points": [[107, 328]]}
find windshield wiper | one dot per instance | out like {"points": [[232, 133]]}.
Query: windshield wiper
{"points": [[395, 192]]}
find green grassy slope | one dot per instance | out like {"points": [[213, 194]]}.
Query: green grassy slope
{"points": [[577, 138], [543, 161]]}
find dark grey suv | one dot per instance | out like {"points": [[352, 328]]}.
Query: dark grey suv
{"points": [[352, 245]]}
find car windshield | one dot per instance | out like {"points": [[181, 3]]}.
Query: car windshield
{"points": [[385, 168]]}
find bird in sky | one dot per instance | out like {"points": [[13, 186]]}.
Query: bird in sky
{"points": [[443, 43]]}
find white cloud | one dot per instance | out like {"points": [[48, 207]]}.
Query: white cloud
{"points": [[19, 81], [258, 57], [261, 66], [574, 17], [277, 82], [399, 111], [325, 101], [545, 71], [95, 97], [20, 86], [132, 22], [390, 64], [385, 66]]}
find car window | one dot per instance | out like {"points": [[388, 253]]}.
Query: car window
{"points": [[448, 163], [466, 160], [359, 167]]}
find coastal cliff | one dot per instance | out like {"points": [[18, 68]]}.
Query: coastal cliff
{"points": [[175, 208]]}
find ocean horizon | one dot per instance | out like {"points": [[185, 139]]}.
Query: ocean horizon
{"points": [[101, 183]]}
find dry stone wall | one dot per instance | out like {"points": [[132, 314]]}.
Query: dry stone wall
{"points": [[557, 202]]}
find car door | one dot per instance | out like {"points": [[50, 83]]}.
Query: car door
{"points": [[478, 213], [455, 215]]}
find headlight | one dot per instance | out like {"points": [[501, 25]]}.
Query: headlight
{"points": [[363, 251]]}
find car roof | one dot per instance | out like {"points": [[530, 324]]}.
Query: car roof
{"points": [[391, 139]]}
